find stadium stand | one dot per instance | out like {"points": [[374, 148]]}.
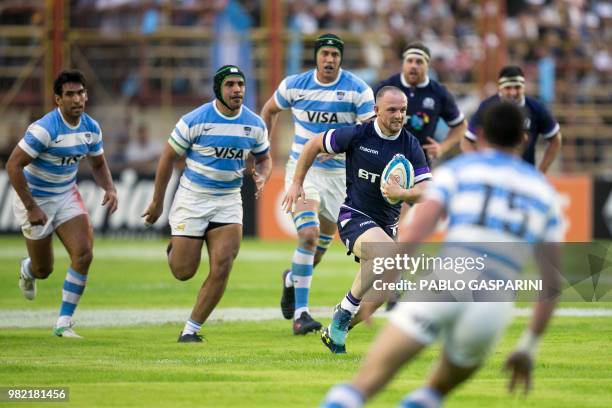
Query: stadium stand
{"points": [[152, 56]]}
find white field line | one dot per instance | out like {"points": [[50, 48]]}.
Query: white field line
{"points": [[135, 317], [155, 254]]}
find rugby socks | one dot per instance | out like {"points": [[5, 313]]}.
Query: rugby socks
{"points": [[73, 289], [350, 303], [191, 327], [324, 242], [424, 397], [301, 272], [343, 396]]}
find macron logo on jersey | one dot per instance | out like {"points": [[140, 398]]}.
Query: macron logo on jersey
{"points": [[322, 117], [368, 150]]}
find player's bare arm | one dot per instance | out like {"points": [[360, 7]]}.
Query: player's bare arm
{"points": [[311, 150], [269, 114], [14, 167], [102, 175], [453, 138], [162, 176], [520, 362], [261, 172], [552, 149], [467, 145]]}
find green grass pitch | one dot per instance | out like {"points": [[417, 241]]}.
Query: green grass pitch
{"points": [[251, 364]]}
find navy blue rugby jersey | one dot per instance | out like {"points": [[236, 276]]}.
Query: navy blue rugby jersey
{"points": [[427, 102], [538, 121], [368, 151]]}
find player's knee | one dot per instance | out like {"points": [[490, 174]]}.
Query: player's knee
{"points": [[41, 271], [222, 267], [308, 238], [183, 272], [83, 258]]}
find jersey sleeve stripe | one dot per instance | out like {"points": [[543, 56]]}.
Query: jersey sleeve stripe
{"points": [[422, 170], [469, 135], [180, 150], [328, 143], [280, 101], [422, 177], [552, 133], [28, 149], [457, 121]]}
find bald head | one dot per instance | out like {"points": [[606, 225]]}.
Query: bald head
{"points": [[389, 89]]}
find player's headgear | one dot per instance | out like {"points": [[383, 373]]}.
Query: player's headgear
{"points": [[417, 49], [220, 76], [328, 40], [511, 75]]}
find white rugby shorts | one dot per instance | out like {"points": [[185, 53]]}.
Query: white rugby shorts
{"points": [[58, 209], [191, 212], [469, 330], [326, 187]]}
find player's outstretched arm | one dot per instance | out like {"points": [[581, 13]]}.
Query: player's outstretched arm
{"points": [[552, 149], [261, 172], [102, 175], [307, 157], [269, 114], [520, 361], [453, 138], [14, 167], [162, 176]]}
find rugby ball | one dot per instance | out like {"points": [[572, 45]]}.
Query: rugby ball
{"points": [[401, 169]]}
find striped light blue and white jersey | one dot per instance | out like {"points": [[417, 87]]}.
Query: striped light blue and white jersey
{"points": [[217, 146], [57, 148], [494, 199], [318, 107]]}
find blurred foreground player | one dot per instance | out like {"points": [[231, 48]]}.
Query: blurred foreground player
{"points": [[42, 170], [365, 215], [489, 196], [216, 139]]}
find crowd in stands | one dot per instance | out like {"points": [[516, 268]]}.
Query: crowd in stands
{"points": [[569, 41]]}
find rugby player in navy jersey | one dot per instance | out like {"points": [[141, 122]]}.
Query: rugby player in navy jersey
{"points": [[365, 216], [428, 101], [538, 119]]}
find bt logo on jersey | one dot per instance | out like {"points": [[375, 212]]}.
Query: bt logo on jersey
{"points": [[364, 174]]}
